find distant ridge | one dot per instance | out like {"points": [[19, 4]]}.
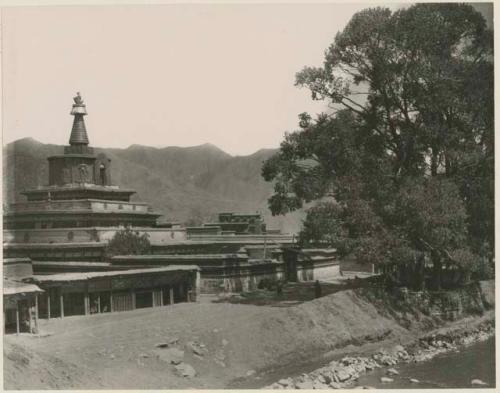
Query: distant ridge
{"points": [[186, 184]]}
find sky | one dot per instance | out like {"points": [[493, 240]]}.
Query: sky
{"points": [[164, 75]]}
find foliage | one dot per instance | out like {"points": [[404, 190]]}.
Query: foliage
{"points": [[128, 242], [408, 151], [322, 227]]}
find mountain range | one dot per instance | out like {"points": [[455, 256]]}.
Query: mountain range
{"points": [[185, 184]]}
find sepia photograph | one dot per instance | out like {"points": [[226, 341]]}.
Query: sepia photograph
{"points": [[229, 195]]}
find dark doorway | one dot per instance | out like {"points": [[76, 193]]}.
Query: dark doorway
{"points": [[143, 299], [74, 304]]}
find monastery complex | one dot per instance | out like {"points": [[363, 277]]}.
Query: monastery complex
{"points": [[55, 264]]}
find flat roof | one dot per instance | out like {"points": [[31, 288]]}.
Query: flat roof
{"points": [[62, 277], [160, 257], [8, 261], [71, 263], [11, 287]]}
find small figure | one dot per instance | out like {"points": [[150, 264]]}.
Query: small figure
{"points": [[279, 288], [317, 289]]}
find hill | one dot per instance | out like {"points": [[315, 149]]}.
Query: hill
{"points": [[185, 184]]}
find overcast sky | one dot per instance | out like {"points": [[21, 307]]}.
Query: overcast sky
{"points": [[164, 75]]}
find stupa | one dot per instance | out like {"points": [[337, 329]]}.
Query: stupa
{"points": [[79, 193]]}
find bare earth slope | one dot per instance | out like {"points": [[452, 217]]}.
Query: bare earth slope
{"points": [[119, 350]]}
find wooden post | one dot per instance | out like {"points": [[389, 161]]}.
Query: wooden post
{"points": [[99, 304], [48, 304], [29, 315], [153, 298], [86, 303], [17, 317], [111, 302], [161, 296], [61, 303], [36, 312], [133, 299], [171, 295], [4, 321]]}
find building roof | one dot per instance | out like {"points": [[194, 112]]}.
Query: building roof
{"points": [[11, 287], [66, 277], [9, 261], [178, 257]]}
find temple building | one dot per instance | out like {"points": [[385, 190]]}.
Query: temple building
{"points": [[80, 193], [62, 230]]}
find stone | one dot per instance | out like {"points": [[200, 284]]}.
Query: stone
{"points": [[144, 355], [392, 371], [386, 380], [196, 348], [478, 382], [414, 380], [304, 385], [250, 373], [170, 355], [342, 375], [285, 382], [319, 385], [185, 370], [335, 385], [224, 342]]}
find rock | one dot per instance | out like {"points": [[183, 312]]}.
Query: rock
{"points": [[304, 385], [144, 355], [285, 382], [414, 380], [386, 380], [196, 348], [478, 382], [170, 355], [392, 371], [111, 356], [161, 345], [250, 373], [185, 370], [342, 375], [224, 342], [335, 385], [319, 385], [216, 330]]}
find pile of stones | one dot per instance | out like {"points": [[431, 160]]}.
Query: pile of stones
{"points": [[343, 373]]}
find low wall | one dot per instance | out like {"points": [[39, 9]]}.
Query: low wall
{"points": [[157, 236], [242, 278]]}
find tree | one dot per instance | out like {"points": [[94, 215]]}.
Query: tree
{"points": [[128, 242], [409, 144]]}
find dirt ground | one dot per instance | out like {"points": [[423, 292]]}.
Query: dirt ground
{"points": [[227, 345]]}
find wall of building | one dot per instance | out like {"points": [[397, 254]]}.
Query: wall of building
{"points": [[81, 235]]}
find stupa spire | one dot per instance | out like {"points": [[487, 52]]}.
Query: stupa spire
{"points": [[78, 132]]}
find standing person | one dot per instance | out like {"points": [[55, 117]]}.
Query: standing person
{"points": [[317, 289]]}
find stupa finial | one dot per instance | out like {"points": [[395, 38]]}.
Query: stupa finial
{"points": [[78, 132]]}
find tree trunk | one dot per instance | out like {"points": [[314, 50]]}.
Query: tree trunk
{"points": [[437, 270]]}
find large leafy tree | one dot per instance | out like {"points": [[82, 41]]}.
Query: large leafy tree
{"points": [[408, 150]]}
